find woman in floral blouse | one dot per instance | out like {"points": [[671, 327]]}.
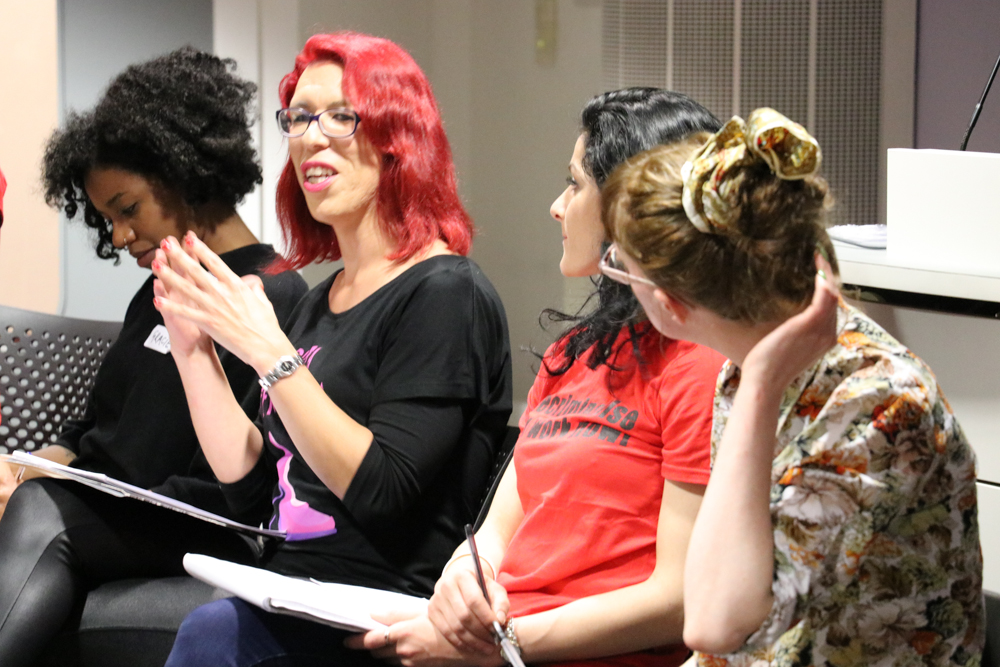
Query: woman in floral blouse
{"points": [[839, 525]]}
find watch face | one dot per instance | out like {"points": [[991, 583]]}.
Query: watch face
{"points": [[287, 367]]}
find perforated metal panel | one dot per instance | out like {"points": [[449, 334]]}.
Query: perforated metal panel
{"points": [[47, 367], [703, 52], [816, 61], [636, 45], [774, 66], [848, 84]]}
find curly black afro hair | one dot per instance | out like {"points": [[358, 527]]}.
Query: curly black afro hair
{"points": [[182, 120]]}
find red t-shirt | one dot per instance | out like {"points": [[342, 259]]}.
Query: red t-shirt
{"points": [[590, 466]]}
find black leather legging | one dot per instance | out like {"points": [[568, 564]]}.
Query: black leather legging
{"points": [[60, 539]]}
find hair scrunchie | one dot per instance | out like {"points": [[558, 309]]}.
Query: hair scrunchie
{"points": [[786, 147]]}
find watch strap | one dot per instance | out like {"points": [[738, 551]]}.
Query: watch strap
{"points": [[283, 367]]}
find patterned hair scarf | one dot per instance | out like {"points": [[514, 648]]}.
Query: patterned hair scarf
{"points": [[786, 147]]}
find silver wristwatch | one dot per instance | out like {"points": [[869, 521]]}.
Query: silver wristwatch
{"points": [[284, 367]]}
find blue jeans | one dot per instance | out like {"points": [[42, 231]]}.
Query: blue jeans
{"points": [[232, 633]]}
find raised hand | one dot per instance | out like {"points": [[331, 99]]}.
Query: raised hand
{"points": [[233, 311], [186, 338], [798, 342]]}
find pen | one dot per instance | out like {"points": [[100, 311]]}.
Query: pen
{"points": [[512, 655]]}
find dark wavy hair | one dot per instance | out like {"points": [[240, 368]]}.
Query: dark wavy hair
{"points": [[417, 196], [182, 120], [617, 125]]}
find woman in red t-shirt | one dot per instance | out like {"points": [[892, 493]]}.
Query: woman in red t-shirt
{"points": [[583, 547]]}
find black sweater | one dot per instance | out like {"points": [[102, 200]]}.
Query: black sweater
{"points": [[136, 427]]}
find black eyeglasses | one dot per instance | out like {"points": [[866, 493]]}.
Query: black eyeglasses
{"points": [[334, 123]]}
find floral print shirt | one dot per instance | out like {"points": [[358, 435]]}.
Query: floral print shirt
{"points": [[873, 503]]}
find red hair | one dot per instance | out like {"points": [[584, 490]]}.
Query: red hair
{"points": [[417, 195]]}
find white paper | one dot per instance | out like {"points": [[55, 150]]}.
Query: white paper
{"points": [[121, 489], [339, 605]]}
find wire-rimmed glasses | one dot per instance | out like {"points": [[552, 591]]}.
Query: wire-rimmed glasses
{"points": [[611, 266], [336, 123]]}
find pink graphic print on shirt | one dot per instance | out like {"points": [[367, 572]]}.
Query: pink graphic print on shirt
{"points": [[295, 517]]}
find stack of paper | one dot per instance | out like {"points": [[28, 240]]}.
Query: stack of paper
{"points": [[339, 605], [864, 236]]}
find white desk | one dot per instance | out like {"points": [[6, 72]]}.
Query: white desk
{"points": [[872, 268]]}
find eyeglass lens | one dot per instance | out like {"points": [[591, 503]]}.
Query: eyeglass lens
{"points": [[332, 122]]}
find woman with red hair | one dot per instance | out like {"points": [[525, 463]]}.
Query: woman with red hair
{"points": [[386, 396], [417, 200]]}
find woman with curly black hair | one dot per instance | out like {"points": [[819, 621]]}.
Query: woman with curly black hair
{"points": [[166, 151]]}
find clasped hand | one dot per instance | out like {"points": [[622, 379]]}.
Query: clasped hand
{"points": [[456, 629], [199, 303]]}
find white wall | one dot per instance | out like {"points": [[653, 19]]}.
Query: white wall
{"points": [[525, 120], [236, 35], [262, 36]]}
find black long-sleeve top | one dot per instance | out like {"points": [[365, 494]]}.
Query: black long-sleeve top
{"points": [[424, 363]]}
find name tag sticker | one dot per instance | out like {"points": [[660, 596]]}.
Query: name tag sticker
{"points": [[159, 340]]}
